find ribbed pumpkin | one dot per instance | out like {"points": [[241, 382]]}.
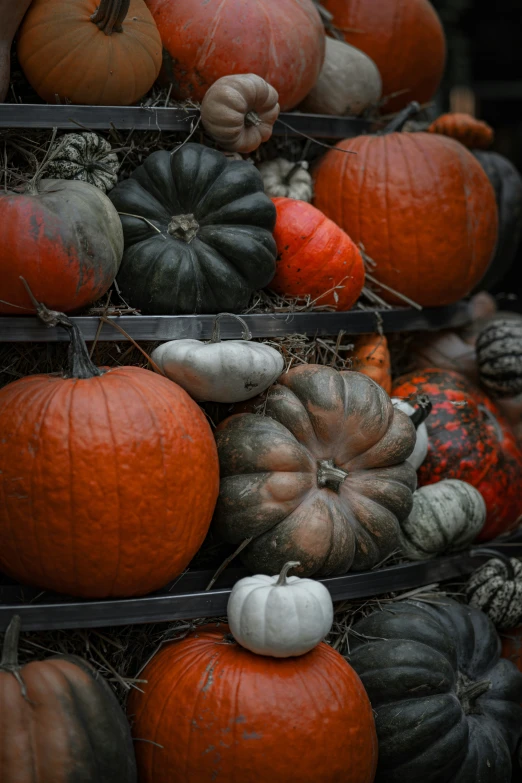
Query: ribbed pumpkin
{"points": [[108, 478], [314, 471], [447, 705], [65, 238], [405, 40], [499, 357], [215, 712], [99, 52], [472, 133], [468, 439], [60, 722], [372, 357], [315, 257], [421, 206], [86, 157], [283, 42], [507, 184]]}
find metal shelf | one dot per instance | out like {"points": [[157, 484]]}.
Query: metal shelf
{"points": [[145, 118], [175, 327], [186, 598]]}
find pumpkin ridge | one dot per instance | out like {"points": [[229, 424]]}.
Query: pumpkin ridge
{"points": [[411, 185], [81, 40]]}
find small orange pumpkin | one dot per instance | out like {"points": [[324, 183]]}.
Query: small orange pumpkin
{"points": [[97, 52], [472, 133], [315, 257], [372, 357]]}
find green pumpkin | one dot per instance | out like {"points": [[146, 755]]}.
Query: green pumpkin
{"points": [[447, 707], [198, 233]]}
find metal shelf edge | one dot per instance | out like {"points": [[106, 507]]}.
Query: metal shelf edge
{"points": [[166, 607], [199, 327]]}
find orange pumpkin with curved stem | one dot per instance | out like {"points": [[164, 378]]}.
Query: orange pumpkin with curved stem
{"points": [[315, 257], [97, 52], [372, 357], [108, 478], [219, 713], [472, 133]]}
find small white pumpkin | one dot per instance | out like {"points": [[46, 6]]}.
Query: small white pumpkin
{"points": [[86, 157], [445, 517], [349, 82], [229, 371], [496, 589], [283, 178], [280, 616], [420, 451]]}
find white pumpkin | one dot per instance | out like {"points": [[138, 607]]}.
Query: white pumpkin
{"points": [[229, 371], [445, 517], [280, 616], [283, 178], [349, 82], [420, 451]]}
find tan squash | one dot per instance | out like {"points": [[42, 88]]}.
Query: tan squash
{"points": [[239, 111], [11, 14], [349, 82]]}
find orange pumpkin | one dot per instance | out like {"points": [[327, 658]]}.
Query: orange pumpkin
{"points": [[422, 207], [99, 52], [472, 133], [372, 357], [213, 711], [405, 40], [282, 41], [108, 479], [315, 257]]}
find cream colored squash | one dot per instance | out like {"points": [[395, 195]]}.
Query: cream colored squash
{"points": [[280, 616], [228, 371], [420, 451], [290, 180], [349, 82]]}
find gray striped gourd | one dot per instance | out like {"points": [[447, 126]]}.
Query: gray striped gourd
{"points": [[86, 157], [499, 357], [445, 517], [496, 589]]}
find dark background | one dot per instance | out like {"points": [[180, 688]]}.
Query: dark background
{"points": [[485, 53]]}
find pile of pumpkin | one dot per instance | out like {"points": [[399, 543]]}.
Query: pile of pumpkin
{"points": [[198, 230]]}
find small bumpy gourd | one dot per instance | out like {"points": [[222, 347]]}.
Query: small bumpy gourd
{"points": [[496, 588], [499, 357], [86, 157], [283, 178]]}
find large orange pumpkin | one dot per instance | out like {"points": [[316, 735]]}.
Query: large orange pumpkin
{"points": [[405, 40], [108, 479], [100, 52], [281, 41], [315, 257], [213, 712], [422, 207]]}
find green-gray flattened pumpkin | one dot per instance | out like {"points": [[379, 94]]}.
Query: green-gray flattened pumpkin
{"points": [[198, 233], [318, 476], [447, 706]]}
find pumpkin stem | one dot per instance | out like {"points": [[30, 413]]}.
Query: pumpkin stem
{"points": [[284, 572], [329, 476], [421, 413], [468, 692], [183, 227], [10, 647], [252, 119], [110, 14], [216, 334], [80, 364], [402, 118], [485, 551]]}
